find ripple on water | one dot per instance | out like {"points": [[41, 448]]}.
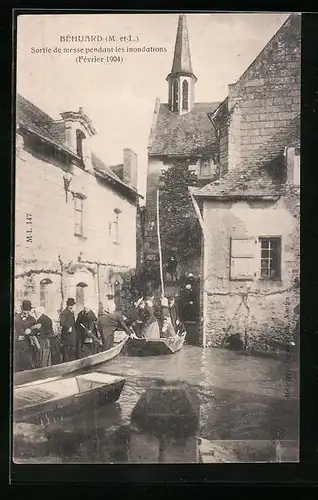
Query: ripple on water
{"points": [[242, 397]]}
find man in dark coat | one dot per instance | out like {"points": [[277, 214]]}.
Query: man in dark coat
{"points": [[173, 309], [86, 335], [25, 351], [108, 323], [136, 317], [174, 314], [49, 353], [68, 332]]}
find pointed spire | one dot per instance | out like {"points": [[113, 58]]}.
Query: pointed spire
{"points": [[182, 56]]}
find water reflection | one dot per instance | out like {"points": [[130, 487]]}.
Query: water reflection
{"points": [[242, 398]]}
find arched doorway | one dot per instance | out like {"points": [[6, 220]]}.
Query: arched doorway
{"points": [[80, 296], [46, 295]]}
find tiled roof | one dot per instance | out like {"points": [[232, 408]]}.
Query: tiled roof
{"points": [[101, 168], [191, 133], [41, 124], [252, 178], [241, 182], [35, 120]]}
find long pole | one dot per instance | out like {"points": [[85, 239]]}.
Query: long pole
{"points": [[159, 247]]}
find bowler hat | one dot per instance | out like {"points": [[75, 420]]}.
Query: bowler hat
{"points": [[70, 302], [26, 305]]}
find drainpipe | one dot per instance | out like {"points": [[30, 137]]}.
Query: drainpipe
{"points": [[197, 209]]}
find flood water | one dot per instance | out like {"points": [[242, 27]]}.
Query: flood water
{"points": [[243, 398]]}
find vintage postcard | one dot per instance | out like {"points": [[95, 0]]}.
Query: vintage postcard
{"points": [[156, 253]]}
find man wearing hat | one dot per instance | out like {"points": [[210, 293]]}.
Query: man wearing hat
{"points": [[24, 350], [87, 341], [68, 331], [108, 323]]}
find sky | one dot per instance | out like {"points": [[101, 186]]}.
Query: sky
{"points": [[119, 97]]}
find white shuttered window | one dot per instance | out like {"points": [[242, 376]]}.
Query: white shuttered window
{"points": [[242, 259]]}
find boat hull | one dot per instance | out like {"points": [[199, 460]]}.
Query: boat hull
{"points": [[151, 347], [62, 369], [44, 412]]}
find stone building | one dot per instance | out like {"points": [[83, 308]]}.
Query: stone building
{"points": [[75, 219], [181, 131], [250, 216]]}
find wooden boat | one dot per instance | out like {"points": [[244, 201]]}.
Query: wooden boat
{"points": [[44, 401], [154, 347], [62, 369]]}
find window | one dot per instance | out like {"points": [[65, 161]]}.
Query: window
{"points": [[175, 95], [115, 227], [252, 258], [242, 261], [78, 209], [185, 95], [44, 293], [79, 142], [270, 258], [205, 168]]}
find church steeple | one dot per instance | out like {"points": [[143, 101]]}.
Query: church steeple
{"points": [[181, 79]]}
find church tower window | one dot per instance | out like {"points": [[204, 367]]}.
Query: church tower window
{"points": [[181, 79], [175, 95], [185, 96]]}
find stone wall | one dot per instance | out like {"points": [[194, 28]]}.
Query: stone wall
{"points": [[45, 243], [266, 97], [258, 310]]}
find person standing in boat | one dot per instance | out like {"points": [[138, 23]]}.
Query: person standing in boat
{"points": [[25, 351], [136, 317], [150, 328], [87, 341], [174, 314], [68, 332], [166, 327], [108, 323]]}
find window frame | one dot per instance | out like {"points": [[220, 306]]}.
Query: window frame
{"points": [[175, 95], [78, 198], [257, 258], [115, 227], [260, 258], [80, 137], [185, 95], [44, 296], [206, 164]]}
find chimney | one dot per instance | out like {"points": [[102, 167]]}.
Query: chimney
{"points": [[130, 168]]}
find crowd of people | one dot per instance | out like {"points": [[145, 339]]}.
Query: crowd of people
{"points": [[152, 320], [37, 345]]}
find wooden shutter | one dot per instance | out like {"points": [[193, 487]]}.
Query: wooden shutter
{"points": [[242, 259]]}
